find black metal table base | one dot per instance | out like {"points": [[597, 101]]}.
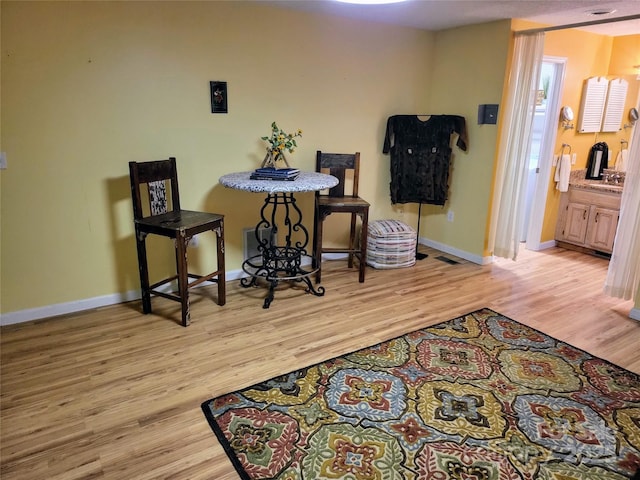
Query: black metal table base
{"points": [[277, 263], [284, 269]]}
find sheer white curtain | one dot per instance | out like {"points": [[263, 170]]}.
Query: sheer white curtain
{"points": [[623, 276], [511, 176]]}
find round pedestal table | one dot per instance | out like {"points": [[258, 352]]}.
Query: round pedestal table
{"points": [[281, 216]]}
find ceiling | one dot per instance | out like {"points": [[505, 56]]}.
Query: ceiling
{"points": [[437, 15]]}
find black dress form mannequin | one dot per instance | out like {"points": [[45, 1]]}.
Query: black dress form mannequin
{"points": [[420, 157]]}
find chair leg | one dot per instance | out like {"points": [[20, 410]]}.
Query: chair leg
{"points": [[183, 277], [143, 268], [352, 239], [222, 286], [317, 248], [363, 245], [314, 263]]}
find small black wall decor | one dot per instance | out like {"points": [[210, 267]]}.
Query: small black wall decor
{"points": [[218, 97]]}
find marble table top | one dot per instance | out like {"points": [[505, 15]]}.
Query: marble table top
{"points": [[305, 182]]}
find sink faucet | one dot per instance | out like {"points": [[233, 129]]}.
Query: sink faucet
{"points": [[613, 177]]}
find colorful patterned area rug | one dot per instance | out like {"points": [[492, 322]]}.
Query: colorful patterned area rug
{"points": [[479, 397]]}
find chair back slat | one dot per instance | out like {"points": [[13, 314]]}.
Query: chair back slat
{"points": [[157, 197], [338, 164], [155, 175]]}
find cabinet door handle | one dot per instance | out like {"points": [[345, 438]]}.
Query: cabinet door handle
{"points": [[597, 214], [584, 215]]}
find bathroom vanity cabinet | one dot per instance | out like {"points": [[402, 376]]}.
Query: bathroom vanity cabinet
{"points": [[588, 218]]}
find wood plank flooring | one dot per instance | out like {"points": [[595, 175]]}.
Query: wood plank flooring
{"points": [[114, 394]]}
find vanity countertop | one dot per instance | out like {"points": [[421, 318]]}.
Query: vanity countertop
{"points": [[578, 180]]}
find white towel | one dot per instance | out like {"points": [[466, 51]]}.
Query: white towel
{"points": [[563, 172], [621, 160]]}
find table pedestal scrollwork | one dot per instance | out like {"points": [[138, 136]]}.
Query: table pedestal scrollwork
{"points": [[280, 215], [276, 263]]}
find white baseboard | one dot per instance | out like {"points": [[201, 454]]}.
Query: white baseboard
{"points": [[538, 246], [545, 245], [64, 308], [334, 256], [39, 313], [75, 306], [457, 252]]}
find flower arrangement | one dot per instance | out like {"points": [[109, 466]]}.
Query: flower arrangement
{"points": [[279, 141]]}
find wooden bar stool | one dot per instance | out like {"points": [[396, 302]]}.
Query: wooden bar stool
{"points": [[336, 201], [180, 225]]}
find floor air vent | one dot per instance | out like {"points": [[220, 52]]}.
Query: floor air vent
{"points": [[447, 260], [251, 242]]}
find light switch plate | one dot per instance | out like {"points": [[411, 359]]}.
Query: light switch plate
{"points": [[3, 160], [488, 114]]}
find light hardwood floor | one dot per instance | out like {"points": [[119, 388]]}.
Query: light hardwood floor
{"points": [[115, 394]]}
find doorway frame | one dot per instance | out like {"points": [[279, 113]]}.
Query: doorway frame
{"points": [[536, 220]]}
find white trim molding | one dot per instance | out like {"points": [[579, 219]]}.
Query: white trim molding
{"points": [[454, 251], [47, 311], [40, 313]]}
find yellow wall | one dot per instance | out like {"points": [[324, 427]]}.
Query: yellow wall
{"points": [[469, 70], [89, 86], [625, 55]]}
